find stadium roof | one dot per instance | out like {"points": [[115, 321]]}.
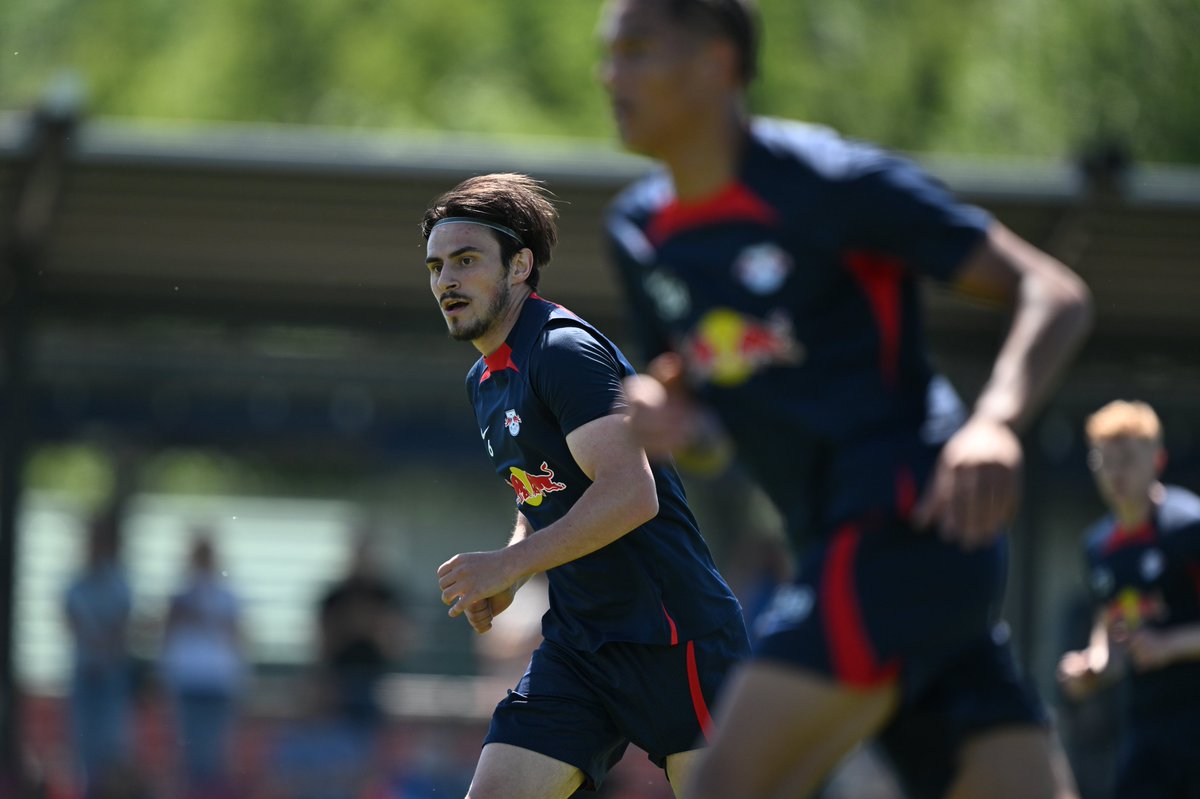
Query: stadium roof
{"points": [[323, 223], [236, 228]]}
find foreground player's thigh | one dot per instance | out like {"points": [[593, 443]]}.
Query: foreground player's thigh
{"points": [[781, 731], [1010, 761], [680, 768], [510, 772]]}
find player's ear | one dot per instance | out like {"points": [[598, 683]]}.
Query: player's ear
{"points": [[521, 266]]}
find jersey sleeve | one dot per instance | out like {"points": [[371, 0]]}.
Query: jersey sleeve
{"points": [[893, 206], [628, 248], [576, 377]]}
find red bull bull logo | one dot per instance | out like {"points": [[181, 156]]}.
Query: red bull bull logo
{"points": [[1131, 609], [531, 488], [727, 348]]}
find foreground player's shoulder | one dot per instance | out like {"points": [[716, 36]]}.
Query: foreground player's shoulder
{"points": [[566, 345], [641, 200], [1180, 509], [815, 149], [575, 372]]}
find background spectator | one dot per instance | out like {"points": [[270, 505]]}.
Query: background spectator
{"points": [[362, 634], [203, 665], [97, 604]]}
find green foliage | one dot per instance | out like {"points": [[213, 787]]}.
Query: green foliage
{"points": [[80, 472], [1004, 77]]}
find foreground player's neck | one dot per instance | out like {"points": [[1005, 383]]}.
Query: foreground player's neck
{"points": [[490, 341], [708, 160], [1132, 515]]}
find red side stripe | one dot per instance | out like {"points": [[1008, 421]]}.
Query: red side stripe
{"points": [[671, 622], [498, 361], [734, 203], [880, 276], [698, 703], [850, 649]]}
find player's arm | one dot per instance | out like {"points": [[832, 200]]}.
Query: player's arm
{"points": [[1052, 312], [577, 377], [622, 496], [667, 420], [1151, 649], [1083, 672], [973, 494]]}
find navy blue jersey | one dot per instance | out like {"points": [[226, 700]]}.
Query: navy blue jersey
{"points": [[655, 585], [1150, 576], [792, 296]]}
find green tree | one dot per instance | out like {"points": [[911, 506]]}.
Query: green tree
{"points": [[985, 77]]}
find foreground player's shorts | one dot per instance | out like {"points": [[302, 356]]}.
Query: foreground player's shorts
{"points": [[878, 601], [584, 708]]}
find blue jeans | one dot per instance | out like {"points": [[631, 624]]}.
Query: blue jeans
{"points": [[100, 718], [204, 720]]}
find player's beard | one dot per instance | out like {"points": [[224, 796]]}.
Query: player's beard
{"points": [[484, 322]]}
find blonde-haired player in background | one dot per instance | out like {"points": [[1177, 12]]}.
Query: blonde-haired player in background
{"points": [[1143, 570]]}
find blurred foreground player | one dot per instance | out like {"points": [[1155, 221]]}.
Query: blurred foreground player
{"points": [[641, 628], [1143, 568], [773, 269]]}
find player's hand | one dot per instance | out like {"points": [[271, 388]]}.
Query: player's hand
{"points": [[1150, 649], [480, 614], [469, 577], [975, 488], [663, 415], [1078, 674]]}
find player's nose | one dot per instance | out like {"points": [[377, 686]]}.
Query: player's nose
{"points": [[445, 279]]}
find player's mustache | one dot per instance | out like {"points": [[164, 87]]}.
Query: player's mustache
{"points": [[452, 295]]}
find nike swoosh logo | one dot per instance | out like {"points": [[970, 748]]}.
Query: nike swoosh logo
{"points": [[483, 432]]}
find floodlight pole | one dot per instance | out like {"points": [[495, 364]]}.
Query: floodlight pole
{"points": [[40, 169]]}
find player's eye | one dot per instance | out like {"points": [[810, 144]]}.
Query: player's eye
{"points": [[467, 260], [435, 267]]}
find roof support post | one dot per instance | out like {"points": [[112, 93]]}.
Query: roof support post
{"points": [[40, 172]]}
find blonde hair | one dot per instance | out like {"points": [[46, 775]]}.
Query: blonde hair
{"points": [[1124, 419]]}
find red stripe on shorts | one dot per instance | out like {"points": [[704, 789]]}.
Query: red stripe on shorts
{"points": [[698, 703], [850, 650]]}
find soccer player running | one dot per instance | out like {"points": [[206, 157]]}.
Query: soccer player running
{"points": [[774, 265], [641, 627], [1143, 568]]}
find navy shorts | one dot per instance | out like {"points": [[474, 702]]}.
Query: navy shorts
{"points": [[1160, 758], [585, 708], [878, 601]]}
